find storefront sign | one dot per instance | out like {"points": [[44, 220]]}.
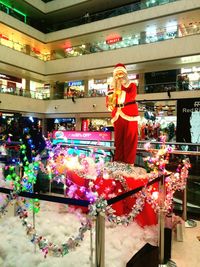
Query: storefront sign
{"points": [[133, 76], [188, 120], [100, 81], [10, 78], [75, 83], [114, 40], [189, 70], [65, 120], [100, 136], [85, 124], [2, 36]]}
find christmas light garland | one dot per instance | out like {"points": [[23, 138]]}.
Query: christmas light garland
{"points": [[48, 247], [61, 160]]}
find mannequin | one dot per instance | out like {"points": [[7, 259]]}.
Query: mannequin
{"points": [[121, 102]]}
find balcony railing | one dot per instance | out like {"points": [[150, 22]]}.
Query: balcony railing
{"points": [[87, 18], [43, 94], [134, 38]]}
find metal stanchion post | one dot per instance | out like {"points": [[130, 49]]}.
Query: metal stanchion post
{"points": [[34, 224], [184, 215], [100, 241], [33, 205], [188, 223], [91, 247], [49, 186], [21, 176], [161, 222]]}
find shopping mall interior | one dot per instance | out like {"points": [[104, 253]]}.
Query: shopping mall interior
{"points": [[58, 142]]}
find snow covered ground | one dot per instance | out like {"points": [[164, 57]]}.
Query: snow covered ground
{"points": [[56, 224]]}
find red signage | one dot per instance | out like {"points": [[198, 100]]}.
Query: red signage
{"points": [[100, 136], [114, 40], [84, 126], [2, 36], [36, 50]]}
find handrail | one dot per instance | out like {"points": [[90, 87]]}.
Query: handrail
{"points": [[74, 201], [109, 148], [46, 95], [128, 8]]}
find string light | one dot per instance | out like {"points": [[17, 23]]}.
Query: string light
{"points": [[90, 169]]}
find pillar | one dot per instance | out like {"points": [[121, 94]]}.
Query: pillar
{"points": [[86, 87], [78, 123], [27, 49], [143, 37], [44, 127], [27, 88], [141, 85]]}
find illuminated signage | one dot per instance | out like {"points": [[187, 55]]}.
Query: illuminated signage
{"points": [[10, 78], [133, 76], [100, 136], [114, 40], [3, 76], [13, 9], [188, 70], [100, 81], [2, 36], [36, 50], [75, 83]]}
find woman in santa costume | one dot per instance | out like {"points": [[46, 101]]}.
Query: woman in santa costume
{"points": [[121, 102]]}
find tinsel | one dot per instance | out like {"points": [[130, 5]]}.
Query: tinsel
{"points": [[101, 206], [60, 160], [48, 247]]}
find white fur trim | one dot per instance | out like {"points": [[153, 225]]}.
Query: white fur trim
{"points": [[119, 69], [124, 116]]}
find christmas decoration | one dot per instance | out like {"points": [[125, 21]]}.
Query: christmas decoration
{"points": [[63, 162]]}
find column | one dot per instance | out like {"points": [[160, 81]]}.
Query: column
{"points": [[86, 87], [44, 127], [78, 123], [143, 37], [27, 88], [52, 90], [141, 86], [27, 49]]}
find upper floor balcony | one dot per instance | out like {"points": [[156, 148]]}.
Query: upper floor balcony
{"points": [[80, 20], [136, 35], [179, 42]]}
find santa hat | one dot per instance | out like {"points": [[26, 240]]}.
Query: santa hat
{"points": [[119, 67]]}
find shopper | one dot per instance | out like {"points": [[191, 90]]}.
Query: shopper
{"points": [[121, 102], [186, 82]]}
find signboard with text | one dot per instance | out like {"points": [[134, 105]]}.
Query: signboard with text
{"points": [[64, 135], [188, 120]]}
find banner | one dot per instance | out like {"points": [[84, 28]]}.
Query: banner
{"points": [[64, 135], [188, 120]]}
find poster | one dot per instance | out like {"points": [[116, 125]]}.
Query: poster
{"points": [[188, 120]]}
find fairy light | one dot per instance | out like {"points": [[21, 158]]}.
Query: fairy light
{"points": [[63, 165]]}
